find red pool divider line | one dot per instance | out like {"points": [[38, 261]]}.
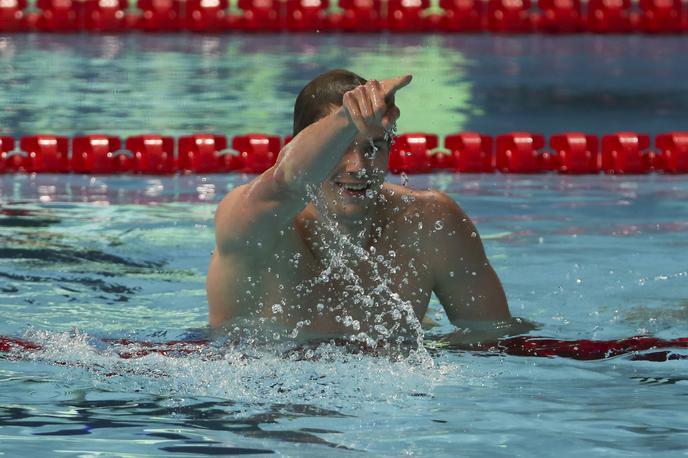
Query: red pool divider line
{"points": [[364, 16], [463, 152], [586, 350]]}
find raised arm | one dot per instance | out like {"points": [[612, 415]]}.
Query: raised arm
{"points": [[256, 211]]}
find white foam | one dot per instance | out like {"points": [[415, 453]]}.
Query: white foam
{"points": [[327, 376]]}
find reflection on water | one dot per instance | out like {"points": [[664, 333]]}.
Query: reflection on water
{"points": [[177, 84], [174, 426]]}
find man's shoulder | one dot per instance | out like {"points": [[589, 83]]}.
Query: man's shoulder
{"points": [[430, 201]]}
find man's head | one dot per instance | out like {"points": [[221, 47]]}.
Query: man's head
{"points": [[353, 186]]}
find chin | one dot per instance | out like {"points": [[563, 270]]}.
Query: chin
{"points": [[350, 212], [350, 206]]}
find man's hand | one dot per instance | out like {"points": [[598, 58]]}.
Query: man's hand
{"points": [[372, 105]]}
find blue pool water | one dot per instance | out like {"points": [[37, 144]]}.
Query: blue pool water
{"points": [[87, 258], [587, 257]]}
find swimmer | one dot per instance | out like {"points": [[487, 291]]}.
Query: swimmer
{"points": [[273, 258]]}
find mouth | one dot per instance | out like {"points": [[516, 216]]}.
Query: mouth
{"points": [[354, 188]]}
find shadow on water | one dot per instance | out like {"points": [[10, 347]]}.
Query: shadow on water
{"points": [[24, 218], [86, 416], [72, 256], [60, 258], [91, 283]]}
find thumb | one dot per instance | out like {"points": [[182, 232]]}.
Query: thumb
{"points": [[392, 85]]}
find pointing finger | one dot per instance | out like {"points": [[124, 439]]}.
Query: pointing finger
{"points": [[392, 85]]}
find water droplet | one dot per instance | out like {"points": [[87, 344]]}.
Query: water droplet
{"points": [[277, 308], [439, 225], [474, 234]]}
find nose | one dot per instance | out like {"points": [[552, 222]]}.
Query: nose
{"points": [[356, 162]]}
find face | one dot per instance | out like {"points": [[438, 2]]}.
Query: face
{"points": [[352, 189]]}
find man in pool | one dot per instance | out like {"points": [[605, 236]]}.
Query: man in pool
{"points": [[321, 245]]}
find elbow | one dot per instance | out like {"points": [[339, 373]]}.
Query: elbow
{"points": [[286, 181]]}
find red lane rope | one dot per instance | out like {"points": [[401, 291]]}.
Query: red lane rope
{"points": [[585, 350], [464, 152], [463, 16]]}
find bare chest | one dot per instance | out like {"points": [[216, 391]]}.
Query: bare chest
{"points": [[345, 290]]}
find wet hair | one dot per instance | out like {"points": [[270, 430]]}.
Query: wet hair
{"points": [[323, 93]]}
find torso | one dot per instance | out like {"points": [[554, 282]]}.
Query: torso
{"points": [[298, 286]]}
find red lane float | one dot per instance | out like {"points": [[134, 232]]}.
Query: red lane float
{"points": [[626, 153], [466, 152], [100, 154], [260, 16], [59, 15], [206, 153], [520, 152], [471, 152], [359, 16], [206, 15], [609, 16], [12, 16], [411, 153], [584, 349], [529, 346], [258, 152], [153, 154], [560, 16], [509, 16], [441, 160], [461, 16], [105, 15], [673, 151], [307, 15], [407, 15], [661, 16], [159, 15], [213, 16], [575, 153], [6, 152], [42, 154]]}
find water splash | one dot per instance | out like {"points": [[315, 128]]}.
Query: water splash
{"points": [[391, 326], [327, 376]]}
